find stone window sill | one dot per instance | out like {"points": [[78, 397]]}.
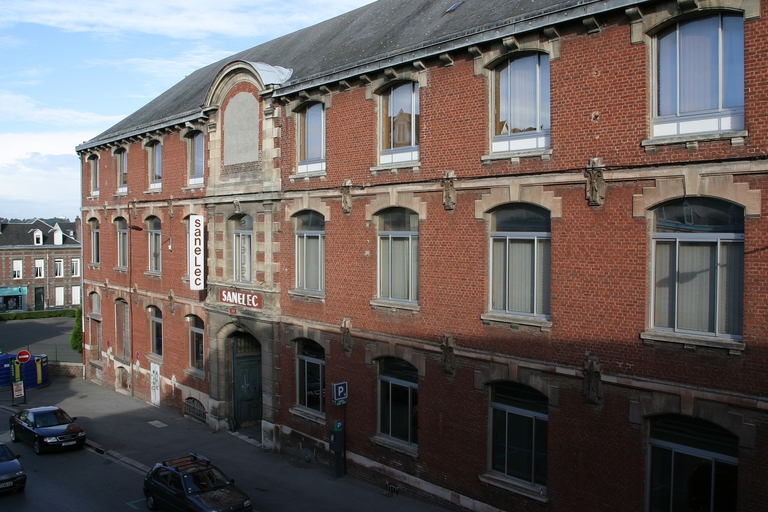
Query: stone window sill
{"points": [[514, 321], [95, 266], [195, 373], [691, 341], [411, 450], [122, 270], [153, 191], [414, 166], [395, 305], [95, 316], [311, 296], [154, 358], [515, 156], [306, 176], [535, 492], [308, 415], [153, 274], [736, 138]]}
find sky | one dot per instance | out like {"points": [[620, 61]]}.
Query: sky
{"points": [[70, 69]]}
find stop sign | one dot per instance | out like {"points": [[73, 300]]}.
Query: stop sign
{"points": [[23, 356]]}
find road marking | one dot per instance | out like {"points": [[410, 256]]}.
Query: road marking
{"points": [[132, 504], [157, 423]]}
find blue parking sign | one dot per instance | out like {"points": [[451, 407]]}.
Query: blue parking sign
{"points": [[340, 390]]}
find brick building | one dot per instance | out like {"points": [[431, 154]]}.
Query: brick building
{"points": [[40, 265], [527, 236]]}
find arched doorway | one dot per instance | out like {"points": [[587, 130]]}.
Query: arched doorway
{"points": [[246, 380]]}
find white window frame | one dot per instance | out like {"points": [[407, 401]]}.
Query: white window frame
{"points": [[95, 175], [121, 157], [58, 296], [311, 163], [242, 249], [39, 269], [18, 269], [302, 259], [523, 140], [303, 364], [75, 295], [155, 244], [75, 267], [95, 241], [37, 237], [389, 154], [196, 157], [156, 330], [196, 334], [58, 268], [384, 265], [721, 118], [121, 228], [156, 166]]}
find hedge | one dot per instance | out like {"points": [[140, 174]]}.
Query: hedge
{"points": [[49, 313]]}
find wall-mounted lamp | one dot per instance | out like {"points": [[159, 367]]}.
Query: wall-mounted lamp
{"points": [[170, 238]]}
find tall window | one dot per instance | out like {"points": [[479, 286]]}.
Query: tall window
{"points": [[693, 465], [122, 170], [156, 330], [196, 343], [75, 267], [95, 243], [519, 427], [122, 242], [155, 244], [18, 267], [243, 235], [699, 267], [700, 76], [58, 268], [400, 123], [398, 400], [75, 295], [95, 303], [521, 104], [312, 138], [122, 329], [39, 268], [311, 376], [520, 259], [38, 237], [398, 254], [310, 251], [196, 157], [93, 160], [155, 158]]}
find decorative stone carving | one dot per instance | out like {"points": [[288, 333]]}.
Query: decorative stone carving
{"points": [[449, 191], [171, 302], [346, 196], [592, 388], [237, 206], [595, 182], [346, 335], [449, 358]]}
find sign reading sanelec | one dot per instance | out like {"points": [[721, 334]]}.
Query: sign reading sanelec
{"points": [[249, 300], [196, 252]]}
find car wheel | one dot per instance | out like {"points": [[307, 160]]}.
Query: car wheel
{"points": [[37, 447], [151, 503], [14, 437]]}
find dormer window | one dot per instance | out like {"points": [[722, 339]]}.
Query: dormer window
{"points": [[38, 237]]}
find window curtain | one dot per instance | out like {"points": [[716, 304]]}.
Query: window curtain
{"points": [[731, 287], [699, 65], [664, 300], [521, 275], [696, 287]]}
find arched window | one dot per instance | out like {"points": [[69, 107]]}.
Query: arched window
{"points": [[312, 138], [121, 160], [196, 343], [121, 226], [196, 157], [400, 113], [398, 254], [692, 465], [95, 241], [155, 238], [698, 269], [519, 425], [700, 76], [93, 161], [242, 247], [521, 104], [310, 251], [398, 400], [155, 159], [311, 376], [156, 330], [520, 259]]}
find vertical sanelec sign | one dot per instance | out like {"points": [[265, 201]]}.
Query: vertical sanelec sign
{"points": [[196, 252]]}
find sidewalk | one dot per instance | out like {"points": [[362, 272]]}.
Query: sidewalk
{"points": [[139, 435]]}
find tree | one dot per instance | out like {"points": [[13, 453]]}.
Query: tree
{"points": [[76, 338]]}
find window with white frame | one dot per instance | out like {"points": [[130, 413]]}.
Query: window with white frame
{"points": [[520, 259], [196, 343], [39, 268], [243, 240], [155, 237], [156, 330], [521, 104], [196, 157], [519, 433], [698, 268], [400, 112], [398, 400], [93, 160], [58, 296], [692, 465], [311, 376], [76, 295], [58, 268], [121, 159], [310, 251], [95, 241], [37, 237], [18, 269], [312, 138], [75, 267], [700, 76], [398, 254], [121, 227], [155, 158]]}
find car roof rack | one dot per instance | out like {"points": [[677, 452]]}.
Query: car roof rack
{"points": [[180, 463]]}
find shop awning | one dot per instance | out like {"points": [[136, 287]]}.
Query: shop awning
{"points": [[12, 291]]}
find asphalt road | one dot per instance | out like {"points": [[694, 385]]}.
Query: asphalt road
{"points": [[44, 336]]}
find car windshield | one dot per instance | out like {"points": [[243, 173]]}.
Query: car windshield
{"points": [[205, 480], [5, 454], [52, 418]]}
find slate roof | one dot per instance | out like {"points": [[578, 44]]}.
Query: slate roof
{"points": [[17, 234], [374, 36]]}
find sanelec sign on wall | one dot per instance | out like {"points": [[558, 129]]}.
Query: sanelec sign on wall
{"points": [[196, 252]]}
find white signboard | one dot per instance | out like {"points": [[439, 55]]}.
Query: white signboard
{"points": [[196, 252]]}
